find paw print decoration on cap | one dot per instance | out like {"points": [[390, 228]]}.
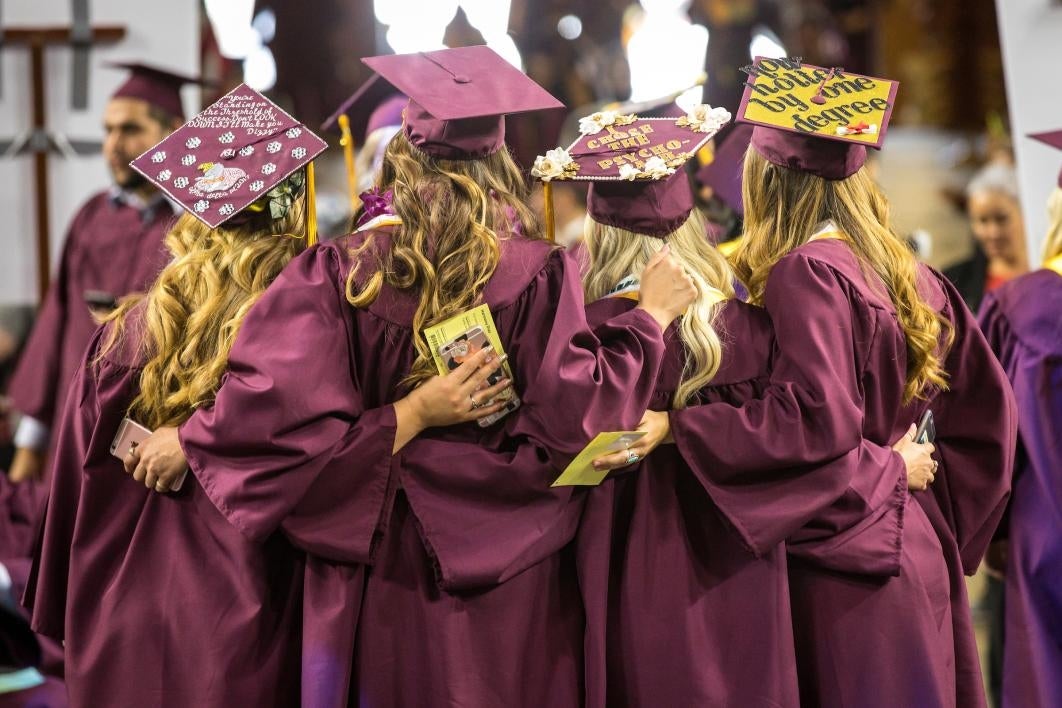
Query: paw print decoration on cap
{"points": [[244, 146]]}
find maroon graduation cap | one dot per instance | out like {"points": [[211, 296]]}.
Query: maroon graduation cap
{"points": [[230, 155], [813, 119], [458, 98], [159, 87], [634, 167], [1052, 138]]}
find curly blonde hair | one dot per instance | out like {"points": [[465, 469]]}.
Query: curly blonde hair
{"points": [[1053, 242], [783, 206], [615, 253], [194, 309], [454, 214]]}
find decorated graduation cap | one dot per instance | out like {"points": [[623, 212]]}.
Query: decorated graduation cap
{"points": [[1052, 138], [723, 171], [375, 105], [156, 86], [458, 98], [814, 119], [242, 153], [634, 167]]}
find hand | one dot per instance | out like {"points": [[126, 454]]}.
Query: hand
{"points": [[26, 466], [158, 461], [921, 467], [451, 399], [665, 290], [657, 427]]}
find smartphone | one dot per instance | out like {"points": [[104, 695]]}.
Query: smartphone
{"points": [[130, 432], [457, 351], [927, 431]]}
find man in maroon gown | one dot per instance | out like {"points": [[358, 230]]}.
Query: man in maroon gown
{"points": [[113, 247]]}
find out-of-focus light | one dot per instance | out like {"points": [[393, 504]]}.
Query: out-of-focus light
{"points": [[570, 27], [666, 53], [415, 25], [241, 34], [231, 22], [260, 69], [488, 16], [766, 43], [265, 24]]}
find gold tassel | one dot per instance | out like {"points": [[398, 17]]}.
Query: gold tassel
{"points": [[347, 141], [311, 207], [547, 208]]}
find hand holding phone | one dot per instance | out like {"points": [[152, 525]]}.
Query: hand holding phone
{"points": [[130, 434]]}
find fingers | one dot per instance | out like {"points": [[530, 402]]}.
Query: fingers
{"points": [[491, 392], [140, 471], [484, 411], [132, 457], [150, 480], [478, 377], [472, 363], [658, 257]]}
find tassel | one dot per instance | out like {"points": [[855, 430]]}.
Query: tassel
{"points": [[547, 207], [311, 207], [347, 141]]}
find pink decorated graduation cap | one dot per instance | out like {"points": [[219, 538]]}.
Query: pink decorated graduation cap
{"points": [[158, 87], [1052, 138], [458, 98], [233, 156], [634, 167], [723, 173], [813, 119]]}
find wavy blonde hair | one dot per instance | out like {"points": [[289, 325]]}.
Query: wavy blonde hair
{"points": [[615, 253], [1053, 242], [454, 214], [782, 208], [193, 311]]}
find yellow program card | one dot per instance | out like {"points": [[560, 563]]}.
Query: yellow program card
{"points": [[581, 471]]}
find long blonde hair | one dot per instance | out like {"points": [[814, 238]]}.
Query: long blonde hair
{"points": [[615, 253], [193, 311], [782, 208], [454, 213], [1053, 242]]}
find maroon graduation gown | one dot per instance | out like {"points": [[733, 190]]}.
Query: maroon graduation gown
{"points": [[879, 605], [160, 600], [468, 598], [1023, 322], [687, 604]]}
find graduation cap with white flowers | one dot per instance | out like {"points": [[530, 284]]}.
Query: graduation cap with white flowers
{"points": [[634, 167]]}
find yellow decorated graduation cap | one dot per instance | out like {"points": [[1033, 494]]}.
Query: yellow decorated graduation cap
{"points": [[815, 119]]}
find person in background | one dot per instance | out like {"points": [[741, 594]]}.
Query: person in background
{"points": [[994, 209], [1021, 320]]}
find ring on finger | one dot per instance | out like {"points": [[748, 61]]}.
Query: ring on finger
{"points": [[632, 456], [475, 404]]}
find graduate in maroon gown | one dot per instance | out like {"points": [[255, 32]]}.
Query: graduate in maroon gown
{"points": [[449, 583], [687, 605], [158, 599], [1022, 323], [113, 247], [866, 340]]}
